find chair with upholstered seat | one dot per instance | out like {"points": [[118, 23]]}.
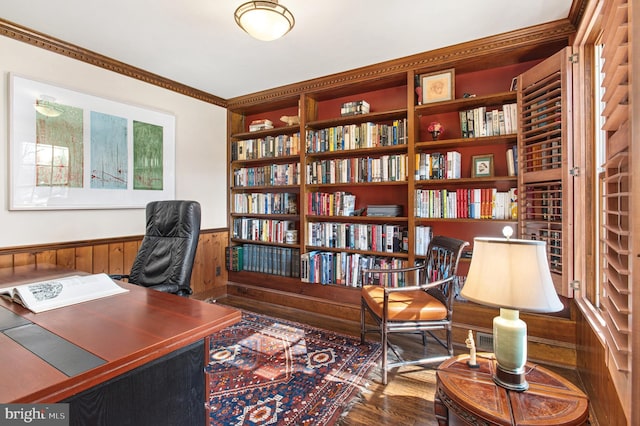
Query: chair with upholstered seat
{"points": [[423, 307], [164, 261]]}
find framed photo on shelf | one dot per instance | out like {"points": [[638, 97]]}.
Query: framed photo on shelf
{"points": [[514, 84], [438, 86], [482, 166]]}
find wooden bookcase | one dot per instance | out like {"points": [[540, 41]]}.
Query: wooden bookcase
{"points": [[325, 170]]}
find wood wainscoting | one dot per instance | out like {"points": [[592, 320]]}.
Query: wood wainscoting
{"points": [[116, 255], [595, 375]]}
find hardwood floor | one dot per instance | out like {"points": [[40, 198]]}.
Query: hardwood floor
{"points": [[407, 399]]}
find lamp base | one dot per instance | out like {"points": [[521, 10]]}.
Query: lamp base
{"points": [[510, 348], [512, 380]]}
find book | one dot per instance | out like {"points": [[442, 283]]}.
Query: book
{"points": [[60, 292], [511, 165]]}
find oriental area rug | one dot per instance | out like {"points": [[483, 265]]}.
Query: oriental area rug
{"points": [[268, 371]]}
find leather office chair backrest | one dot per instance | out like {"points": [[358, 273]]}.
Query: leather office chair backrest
{"points": [[165, 258]]}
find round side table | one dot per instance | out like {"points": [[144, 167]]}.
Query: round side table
{"points": [[466, 395]]}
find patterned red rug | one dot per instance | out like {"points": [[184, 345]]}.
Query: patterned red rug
{"points": [[267, 371]]}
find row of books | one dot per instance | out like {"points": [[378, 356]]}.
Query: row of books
{"points": [[479, 122], [357, 136], [265, 203], [268, 147], [436, 165], [341, 268], [463, 203], [283, 261], [265, 230], [268, 175], [338, 203], [386, 168], [358, 236], [355, 108]]}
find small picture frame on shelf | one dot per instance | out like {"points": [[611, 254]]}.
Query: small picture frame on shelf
{"points": [[438, 86], [482, 166], [514, 84]]}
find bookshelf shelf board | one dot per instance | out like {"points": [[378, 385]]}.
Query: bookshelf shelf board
{"points": [[291, 217], [276, 131], [467, 142], [365, 252], [264, 243], [266, 160], [379, 150], [483, 181], [427, 220], [375, 117], [465, 103], [357, 219], [273, 188], [352, 184]]}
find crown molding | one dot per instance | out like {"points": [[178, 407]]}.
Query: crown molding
{"points": [[514, 45], [34, 38]]}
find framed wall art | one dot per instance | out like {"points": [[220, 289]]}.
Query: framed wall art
{"points": [[482, 166], [438, 86], [72, 150]]}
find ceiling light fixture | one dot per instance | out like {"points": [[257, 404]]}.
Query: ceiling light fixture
{"points": [[265, 20], [46, 106]]}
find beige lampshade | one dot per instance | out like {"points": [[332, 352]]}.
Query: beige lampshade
{"points": [[511, 273]]}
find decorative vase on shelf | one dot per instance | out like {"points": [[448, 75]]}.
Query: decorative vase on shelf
{"points": [[436, 129]]}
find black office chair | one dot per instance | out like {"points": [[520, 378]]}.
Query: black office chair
{"points": [[165, 258], [420, 308]]}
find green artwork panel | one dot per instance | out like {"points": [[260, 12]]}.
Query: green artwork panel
{"points": [[108, 151], [59, 148], [147, 156]]}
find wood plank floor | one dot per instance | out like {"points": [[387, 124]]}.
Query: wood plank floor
{"points": [[407, 399]]}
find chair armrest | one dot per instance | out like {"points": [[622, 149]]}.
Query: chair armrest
{"points": [[425, 286]]}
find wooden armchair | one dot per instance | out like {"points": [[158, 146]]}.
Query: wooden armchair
{"points": [[421, 308]]}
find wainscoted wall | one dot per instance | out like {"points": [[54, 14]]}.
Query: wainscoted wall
{"points": [[591, 364], [116, 255]]}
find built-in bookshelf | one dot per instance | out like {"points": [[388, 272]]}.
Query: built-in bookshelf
{"points": [[264, 198], [366, 145]]}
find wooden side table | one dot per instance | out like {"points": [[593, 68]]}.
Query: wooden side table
{"points": [[467, 395]]}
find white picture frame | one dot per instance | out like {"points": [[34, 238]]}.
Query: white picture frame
{"points": [[75, 160]]}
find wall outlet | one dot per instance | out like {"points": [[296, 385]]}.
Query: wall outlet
{"points": [[218, 271]]}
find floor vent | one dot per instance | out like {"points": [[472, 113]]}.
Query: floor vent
{"points": [[484, 341]]}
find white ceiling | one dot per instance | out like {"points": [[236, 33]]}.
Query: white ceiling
{"points": [[197, 42]]}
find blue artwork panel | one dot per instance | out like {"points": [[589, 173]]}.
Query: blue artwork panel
{"points": [[108, 151]]}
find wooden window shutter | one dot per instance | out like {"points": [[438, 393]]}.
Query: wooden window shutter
{"points": [[615, 233], [545, 188]]}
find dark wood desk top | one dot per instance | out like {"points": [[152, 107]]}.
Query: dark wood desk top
{"points": [[473, 396], [126, 330]]}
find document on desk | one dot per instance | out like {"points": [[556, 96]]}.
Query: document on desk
{"points": [[59, 292]]}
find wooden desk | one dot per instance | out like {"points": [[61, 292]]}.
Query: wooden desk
{"points": [[469, 396], [151, 346]]}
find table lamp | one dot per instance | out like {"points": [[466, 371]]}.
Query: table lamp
{"points": [[512, 275]]}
